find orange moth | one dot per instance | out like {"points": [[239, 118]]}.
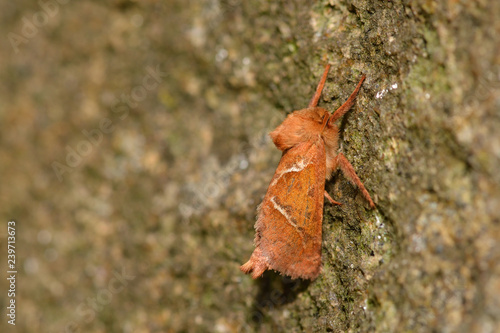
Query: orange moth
{"points": [[288, 227]]}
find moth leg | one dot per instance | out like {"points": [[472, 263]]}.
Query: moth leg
{"points": [[314, 101], [330, 199], [348, 104], [341, 162]]}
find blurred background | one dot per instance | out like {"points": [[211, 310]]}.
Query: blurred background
{"points": [[134, 153]]}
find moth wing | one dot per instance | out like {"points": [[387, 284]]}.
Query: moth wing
{"points": [[288, 228]]}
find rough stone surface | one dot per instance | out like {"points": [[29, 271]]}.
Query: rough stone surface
{"points": [[142, 225]]}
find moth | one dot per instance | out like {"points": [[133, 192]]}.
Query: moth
{"points": [[289, 219]]}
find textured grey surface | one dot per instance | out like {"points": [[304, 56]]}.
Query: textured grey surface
{"points": [[165, 197]]}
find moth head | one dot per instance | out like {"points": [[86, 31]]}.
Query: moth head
{"points": [[299, 126]]}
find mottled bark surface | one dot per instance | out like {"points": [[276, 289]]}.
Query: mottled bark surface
{"points": [[157, 115]]}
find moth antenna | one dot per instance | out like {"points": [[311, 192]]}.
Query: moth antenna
{"points": [[325, 122], [319, 89], [348, 104]]}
